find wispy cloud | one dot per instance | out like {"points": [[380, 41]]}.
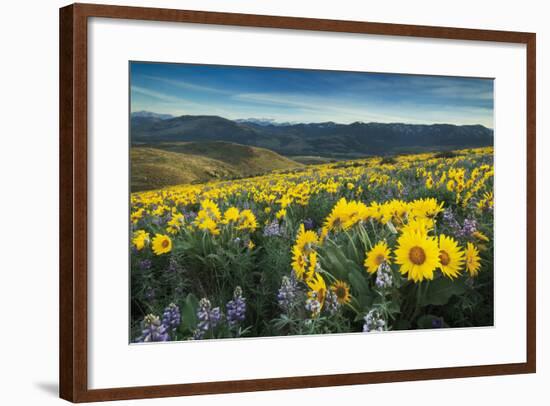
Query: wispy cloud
{"points": [[157, 95], [170, 100], [462, 92], [319, 108], [186, 85]]}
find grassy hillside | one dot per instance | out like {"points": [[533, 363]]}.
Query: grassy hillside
{"points": [[312, 160], [158, 165]]}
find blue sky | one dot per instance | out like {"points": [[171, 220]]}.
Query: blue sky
{"points": [[297, 95]]}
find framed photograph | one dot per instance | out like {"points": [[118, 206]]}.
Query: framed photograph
{"points": [[256, 202]]}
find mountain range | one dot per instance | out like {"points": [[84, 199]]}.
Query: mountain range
{"points": [[326, 139]]}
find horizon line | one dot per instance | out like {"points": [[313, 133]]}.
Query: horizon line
{"points": [[283, 123]]}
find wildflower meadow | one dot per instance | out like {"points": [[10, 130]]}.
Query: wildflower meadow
{"points": [[356, 246]]}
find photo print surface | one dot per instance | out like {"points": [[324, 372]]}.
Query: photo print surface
{"points": [[274, 202]]}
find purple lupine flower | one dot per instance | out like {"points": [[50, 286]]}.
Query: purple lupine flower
{"points": [[272, 230], [215, 316], [373, 321], [331, 302], [172, 265], [450, 220], [153, 330], [466, 230], [448, 216], [145, 264], [384, 278], [190, 216], [313, 306], [287, 292], [236, 308], [171, 317], [309, 224], [208, 317], [389, 194], [469, 227], [437, 322]]}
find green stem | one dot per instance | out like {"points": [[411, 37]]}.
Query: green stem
{"points": [[353, 308]]}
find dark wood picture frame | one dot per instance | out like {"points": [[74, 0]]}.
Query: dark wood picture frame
{"points": [[73, 361]]}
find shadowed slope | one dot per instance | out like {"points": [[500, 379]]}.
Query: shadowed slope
{"points": [[158, 165]]}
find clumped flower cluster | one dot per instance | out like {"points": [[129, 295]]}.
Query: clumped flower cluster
{"points": [[468, 228], [309, 224], [384, 278], [287, 292], [331, 302], [437, 322], [374, 321], [153, 330], [208, 318], [172, 265], [273, 229], [171, 317], [451, 221], [236, 308], [145, 264], [313, 306]]}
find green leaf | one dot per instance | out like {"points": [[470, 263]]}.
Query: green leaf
{"points": [[441, 290], [358, 283], [333, 264], [393, 307], [391, 227], [189, 313], [360, 289]]}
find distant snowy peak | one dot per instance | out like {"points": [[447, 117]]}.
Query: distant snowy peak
{"points": [[264, 122], [150, 114]]}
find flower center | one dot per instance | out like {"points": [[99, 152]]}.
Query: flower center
{"points": [[340, 292], [379, 259], [417, 255], [444, 258], [165, 243]]}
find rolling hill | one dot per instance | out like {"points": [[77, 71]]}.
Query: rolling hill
{"points": [[327, 139], [163, 164]]}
